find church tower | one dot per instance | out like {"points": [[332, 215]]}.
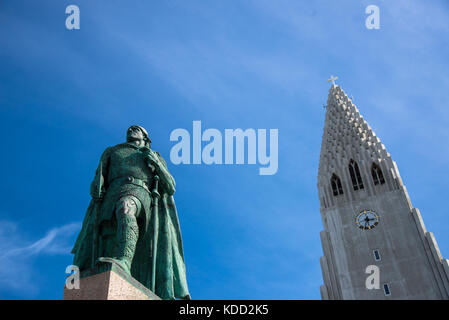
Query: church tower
{"points": [[370, 225]]}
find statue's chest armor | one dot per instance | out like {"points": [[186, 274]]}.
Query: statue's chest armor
{"points": [[127, 161]]}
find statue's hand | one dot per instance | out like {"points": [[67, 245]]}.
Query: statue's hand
{"points": [[151, 157]]}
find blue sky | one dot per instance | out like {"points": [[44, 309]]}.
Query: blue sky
{"points": [[67, 95]]}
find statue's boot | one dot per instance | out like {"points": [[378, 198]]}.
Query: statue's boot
{"points": [[127, 235]]}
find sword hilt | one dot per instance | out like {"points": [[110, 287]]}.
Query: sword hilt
{"points": [[155, 191]]}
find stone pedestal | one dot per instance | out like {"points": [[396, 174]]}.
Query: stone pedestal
{"points": [[108, 282]]}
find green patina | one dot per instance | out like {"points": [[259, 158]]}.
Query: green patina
{"points": [[132, 221]]}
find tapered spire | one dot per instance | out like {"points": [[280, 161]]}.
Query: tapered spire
{"points": [[348, 140], [346, 134]]}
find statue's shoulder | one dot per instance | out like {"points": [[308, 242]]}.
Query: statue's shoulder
{"points": [[106, 152], [160, 158]]}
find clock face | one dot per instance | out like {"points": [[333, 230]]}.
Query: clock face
{"points": [[367, 219]]}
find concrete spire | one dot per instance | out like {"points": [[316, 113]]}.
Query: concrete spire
{"points": [[346, 134], [411, 265]]}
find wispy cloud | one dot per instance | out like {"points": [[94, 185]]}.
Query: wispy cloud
{"points": [[17, 254]]}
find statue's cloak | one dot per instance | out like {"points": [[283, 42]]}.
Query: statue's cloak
{"points": [[171, 280]]}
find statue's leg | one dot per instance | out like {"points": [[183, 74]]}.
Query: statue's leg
{"points": [[127, 229], [127, 210]]}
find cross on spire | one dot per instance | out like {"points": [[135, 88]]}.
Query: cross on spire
{"points": [[332, 79]]}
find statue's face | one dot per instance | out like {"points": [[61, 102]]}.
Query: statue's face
{"points": [[134, 133]]}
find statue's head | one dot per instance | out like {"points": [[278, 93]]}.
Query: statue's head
{"points": [[138, 133]]}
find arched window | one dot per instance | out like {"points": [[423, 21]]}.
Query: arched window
{"points": [[337, 189], [356, 178], [376, 172]]}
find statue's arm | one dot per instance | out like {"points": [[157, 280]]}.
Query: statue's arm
{"points": [[167, 182], [100, 180]]}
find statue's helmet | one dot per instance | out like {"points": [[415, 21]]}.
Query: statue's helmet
{"points": [[142, 129]]}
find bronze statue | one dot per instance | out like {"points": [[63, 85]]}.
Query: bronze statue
{"points": [[132, 220]]}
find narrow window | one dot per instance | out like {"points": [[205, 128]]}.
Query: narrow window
{"points": [[340, 188], [376, 255], [356, 178], [337, 188], [377, 174], [387, 290]]}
